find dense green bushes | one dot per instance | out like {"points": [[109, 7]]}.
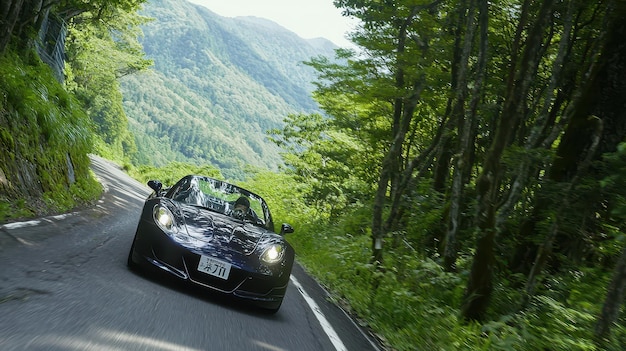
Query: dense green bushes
{"points": [[414, 305], [45, 139]]}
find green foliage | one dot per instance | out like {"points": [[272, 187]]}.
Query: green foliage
{"points": [[406, 304], [283, 194], [412, 303], [106, 9], [548, 324], [172, 172], [615, 180], [217, 85], [335, 163], [424, 226], [10, 209], [44, 138], [102, 46]]}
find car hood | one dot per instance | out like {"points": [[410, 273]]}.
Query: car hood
{"points": [[215, 229]]}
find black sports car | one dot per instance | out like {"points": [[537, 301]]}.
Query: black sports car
{"points": [[216, 235]]}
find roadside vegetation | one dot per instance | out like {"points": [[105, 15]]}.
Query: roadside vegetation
{"points": [[44, 151], [49, 124], [470, 167], [412, 303]]}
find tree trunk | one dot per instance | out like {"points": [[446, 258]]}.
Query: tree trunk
{"points": [[546, 249], [464, 122], [479, 286], [9, 14], [613, 302], [388, 170], [402, 116], [403, 178], [545, 120]]}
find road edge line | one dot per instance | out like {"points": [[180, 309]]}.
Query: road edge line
{"points": [[328, 329]]}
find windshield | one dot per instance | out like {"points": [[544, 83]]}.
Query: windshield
{"points": [[220, 197]]}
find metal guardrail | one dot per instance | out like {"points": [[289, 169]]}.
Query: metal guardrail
{"points": [[50, 44]]}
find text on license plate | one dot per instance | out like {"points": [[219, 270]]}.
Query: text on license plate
{"points": [[214, 267]]}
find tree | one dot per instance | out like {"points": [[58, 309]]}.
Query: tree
{"points": [[502, 107], [615, 181], [522, 71], [102, 47], [22, 19], [397, 46], [465, 114]]}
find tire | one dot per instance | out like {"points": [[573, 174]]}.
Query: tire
{"points": [[132, 265], [273, 309]]}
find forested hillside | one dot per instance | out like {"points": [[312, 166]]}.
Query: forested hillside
{"points": [[217, 85], [60, 99], [473, 164]]}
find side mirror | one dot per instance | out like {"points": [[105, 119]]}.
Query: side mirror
{"points": [[285, 229], [155, 185]]}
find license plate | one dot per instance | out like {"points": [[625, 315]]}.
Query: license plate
{"points": [[214, 267]]}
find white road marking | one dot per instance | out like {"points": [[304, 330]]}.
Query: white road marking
{"points": [[21, 224], [36, 222], [328, 329]]}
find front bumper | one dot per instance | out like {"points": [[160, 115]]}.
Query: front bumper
{"points": [[247, 279]]}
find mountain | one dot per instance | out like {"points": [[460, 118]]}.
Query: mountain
{"points": [[217, 85]]}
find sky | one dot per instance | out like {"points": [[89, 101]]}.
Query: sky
{"points": [[307, 18]]}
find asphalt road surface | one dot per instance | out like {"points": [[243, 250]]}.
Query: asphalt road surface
{"points": [[64, 285]]}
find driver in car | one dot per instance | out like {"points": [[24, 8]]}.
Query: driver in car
{"points": [[242, 210]]}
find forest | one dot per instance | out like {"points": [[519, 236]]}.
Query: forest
{"points": [[461, 187], [475, 147], [217, 84]]}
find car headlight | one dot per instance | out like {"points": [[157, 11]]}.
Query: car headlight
{"points": [[274, 253], [164, 218]]}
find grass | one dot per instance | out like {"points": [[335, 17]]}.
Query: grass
{"points": [[45, 138], [414, 305]]}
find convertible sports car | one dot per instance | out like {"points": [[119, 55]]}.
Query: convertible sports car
{"points": [[216, 235]]}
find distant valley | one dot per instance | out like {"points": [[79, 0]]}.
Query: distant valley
{"points": [[217, 85]]}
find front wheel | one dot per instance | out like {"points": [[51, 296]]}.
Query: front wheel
{"points": [[130, 262], [272, 309]]}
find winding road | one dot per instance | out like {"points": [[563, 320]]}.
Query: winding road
{"points": [[64, 285]]}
